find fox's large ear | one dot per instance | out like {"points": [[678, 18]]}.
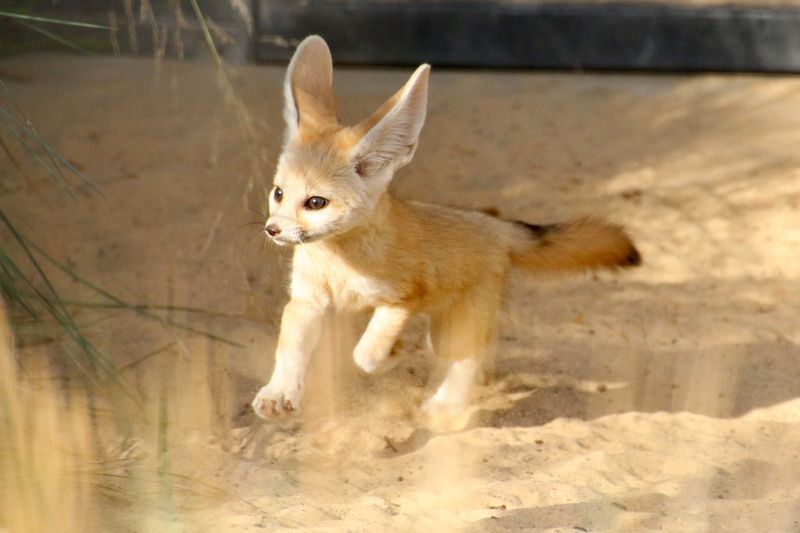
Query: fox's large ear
{"points": [[307, 90], [389, 137]]}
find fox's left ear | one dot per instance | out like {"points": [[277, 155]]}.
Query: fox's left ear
{"points": [[389, 137]]}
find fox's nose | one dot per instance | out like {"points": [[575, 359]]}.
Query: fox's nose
{"points": [[273, 230]]}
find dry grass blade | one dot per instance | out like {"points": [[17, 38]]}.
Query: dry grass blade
{"points": [[147, 356], [192, 483], [243, 118], [154, 307], [36, 460]]}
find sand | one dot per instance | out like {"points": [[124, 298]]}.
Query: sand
{"points": [[665, 398]]}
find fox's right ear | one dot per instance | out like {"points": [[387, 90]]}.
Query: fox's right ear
{"points": [[308, 88]]}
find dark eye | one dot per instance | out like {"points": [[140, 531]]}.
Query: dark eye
{"points": [[278, 194], [316, 202]]}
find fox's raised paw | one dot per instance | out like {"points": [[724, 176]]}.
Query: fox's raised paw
{"points": [[366, 361], [270, 402]]}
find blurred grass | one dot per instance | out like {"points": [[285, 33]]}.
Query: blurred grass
{"points": [[24, 284], [33, 18], [75, 458], [36, 34], [44, 440], [32, 297], [22, 130]]}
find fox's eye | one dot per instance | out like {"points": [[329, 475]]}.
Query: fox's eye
{"points": [[316, 202], [278, 194]]}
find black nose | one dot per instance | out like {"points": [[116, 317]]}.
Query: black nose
{"points": [[273, 230]]}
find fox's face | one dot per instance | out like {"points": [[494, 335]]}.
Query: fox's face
{"points": [[317, 193], [330, 177]]}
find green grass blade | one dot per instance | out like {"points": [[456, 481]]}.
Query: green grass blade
{"points": [[15, 128], [9, 274], [9, 153], [145, 312], [38, 333], [55, 158], [55, 37], [56, 308], [63, 22]]}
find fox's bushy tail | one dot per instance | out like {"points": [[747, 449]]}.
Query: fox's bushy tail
{"points": [[581, 244]]}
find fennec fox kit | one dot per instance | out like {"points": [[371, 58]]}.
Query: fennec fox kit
{"points": [[357, 248]]}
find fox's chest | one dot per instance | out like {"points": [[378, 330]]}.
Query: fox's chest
{"points": [[352, 290], [350, 287]]}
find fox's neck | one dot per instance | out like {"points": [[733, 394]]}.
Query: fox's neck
{"points": [[367, 241]]}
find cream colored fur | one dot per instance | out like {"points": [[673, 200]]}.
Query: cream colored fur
{"points": [[365, 250]]}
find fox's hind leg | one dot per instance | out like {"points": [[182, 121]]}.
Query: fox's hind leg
{"points": [[462, 335]]}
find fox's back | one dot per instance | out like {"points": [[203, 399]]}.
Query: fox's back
{"points": [[417, 255], [467, 244]]}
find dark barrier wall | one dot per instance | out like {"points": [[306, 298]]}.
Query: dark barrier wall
{"points": [[472, 33]]}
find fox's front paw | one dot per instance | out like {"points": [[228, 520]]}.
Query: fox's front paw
{"points": [[272, 401]]}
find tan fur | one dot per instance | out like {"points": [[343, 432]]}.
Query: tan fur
{"points": [[582, 244], [368, 251]]}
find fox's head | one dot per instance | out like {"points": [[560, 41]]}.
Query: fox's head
{"points": [[330, 177]]}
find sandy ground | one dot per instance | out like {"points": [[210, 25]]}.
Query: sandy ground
{"points": [[667, 398]]}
